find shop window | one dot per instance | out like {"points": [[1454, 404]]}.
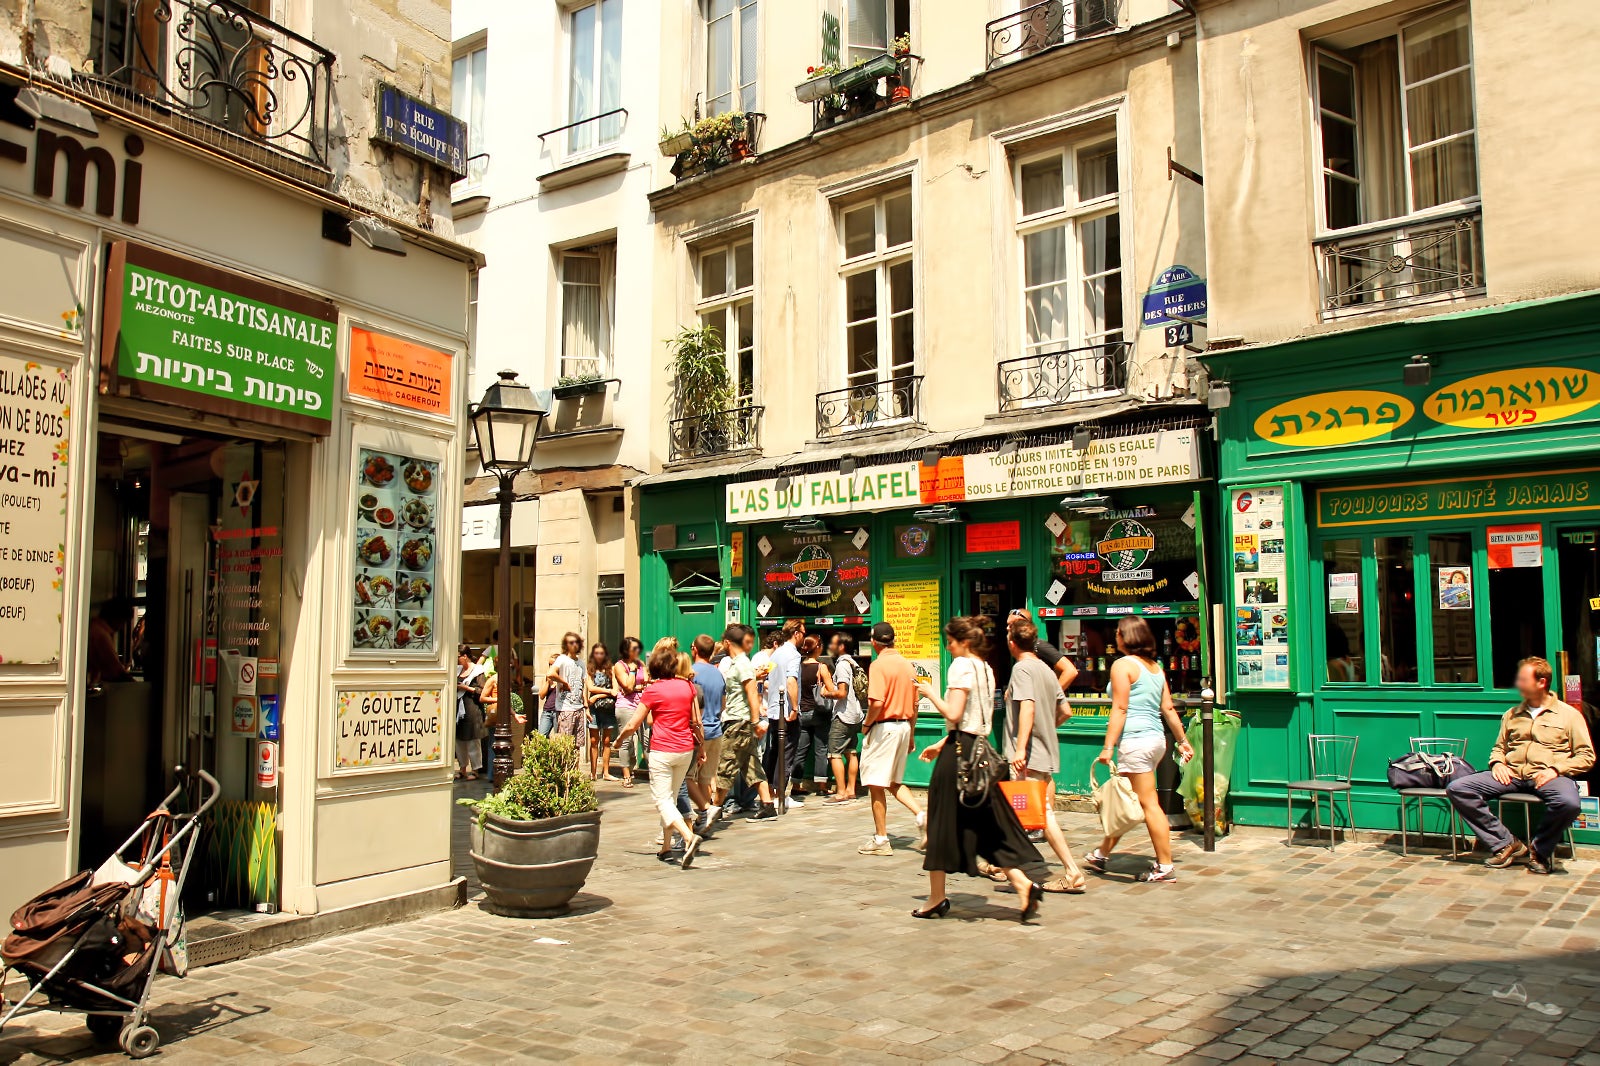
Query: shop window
{"points": [[1579, 551], [870, 26], [1516, 620], [698, 575], [1397, 610], [1341, 567], [1455, 634]]}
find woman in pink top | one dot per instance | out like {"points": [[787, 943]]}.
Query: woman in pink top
{"points": [[675, 742]]}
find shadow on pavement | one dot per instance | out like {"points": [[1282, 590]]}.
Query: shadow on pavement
{"points": [[69, 1040], [1528, 1008]]}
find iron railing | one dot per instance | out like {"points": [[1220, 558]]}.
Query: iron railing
{"points": [[712, 154], [861, 406], [587, 134], [1402, 263], [1033, 29], [1044, 379], [736, 429], [220, 66]]}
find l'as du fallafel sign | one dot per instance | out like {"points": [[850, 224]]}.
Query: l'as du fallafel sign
{"points": [[184, 332]]}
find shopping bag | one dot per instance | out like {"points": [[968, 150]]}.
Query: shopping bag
{"points": [[1192, 785], [1027, 799], [1115, 802]]}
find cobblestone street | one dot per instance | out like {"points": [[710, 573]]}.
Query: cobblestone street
{"points": [[782, 944]]}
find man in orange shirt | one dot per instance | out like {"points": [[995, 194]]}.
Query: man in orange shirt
{"points": [[892, 700]]}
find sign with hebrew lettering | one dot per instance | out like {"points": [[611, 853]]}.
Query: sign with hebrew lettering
{"points": [[1505, 398], [399, 373], [1324, 419], [183, 332]]}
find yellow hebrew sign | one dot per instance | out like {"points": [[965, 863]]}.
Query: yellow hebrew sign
{"points": [[1325, 419], [1523, 397]]}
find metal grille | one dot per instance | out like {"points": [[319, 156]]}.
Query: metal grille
{"points": [[1400, 264], [224, 948], [1042, 26]]}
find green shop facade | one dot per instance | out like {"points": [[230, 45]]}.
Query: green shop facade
{"points": [[1078, 535], [1399, 537]]}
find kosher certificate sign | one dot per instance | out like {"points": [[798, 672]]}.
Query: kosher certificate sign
{"points": [[35, 402], [380, 728], [182, 332]]}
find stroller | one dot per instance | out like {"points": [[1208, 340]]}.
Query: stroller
{"points": [[93, 944]]}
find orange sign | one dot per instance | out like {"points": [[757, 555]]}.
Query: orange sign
{"points": [[398, 372], [945, 483]]}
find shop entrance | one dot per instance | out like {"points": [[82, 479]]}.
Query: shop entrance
{"points": [[994, 593], [184, 660]]}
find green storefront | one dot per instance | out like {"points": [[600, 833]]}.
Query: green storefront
{"points": [[1398, 538], [1077, 535]]}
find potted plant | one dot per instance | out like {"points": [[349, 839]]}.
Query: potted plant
{"points": [[900, 81], [535, 841], [701, 389], [571, 385], [674, 144]]}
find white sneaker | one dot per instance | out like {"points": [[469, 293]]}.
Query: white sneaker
{"points": [[714, 815], [702, 821], [795, 801]]}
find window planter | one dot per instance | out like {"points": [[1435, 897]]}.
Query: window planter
{"points": [[864, 74], [809, 92], [587, 387], [677, 144]]}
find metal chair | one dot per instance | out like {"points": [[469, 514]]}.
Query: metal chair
{"points": [[1528, 801], [1333, 761], [1431, 746]]}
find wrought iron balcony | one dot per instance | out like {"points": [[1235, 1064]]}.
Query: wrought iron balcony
{"points": [[1045, 379], [704, 154], [736, 429], [215, 69], [1054, 22], [856, 90], [898, 399], [585, 135], [1402, 263]]}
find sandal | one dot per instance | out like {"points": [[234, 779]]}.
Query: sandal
{"points": [[1063, 883], [470, 777], [993, 873]]}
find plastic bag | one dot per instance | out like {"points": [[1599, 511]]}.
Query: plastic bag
{"points": [[1192, 785]]}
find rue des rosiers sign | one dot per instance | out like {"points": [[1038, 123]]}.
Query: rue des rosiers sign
{"points": [[1167, 457]]}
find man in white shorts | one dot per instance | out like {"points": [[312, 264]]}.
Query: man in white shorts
{"points": [[892, 708]]}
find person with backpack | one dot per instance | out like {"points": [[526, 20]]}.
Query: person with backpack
{"points": [[849, 694]]}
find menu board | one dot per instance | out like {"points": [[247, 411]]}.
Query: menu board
{"points": [[912, 607], [396, 543], [34, 408], [1260, 589]]}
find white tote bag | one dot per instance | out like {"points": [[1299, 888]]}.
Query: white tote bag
{"points": [[1114, 800]]}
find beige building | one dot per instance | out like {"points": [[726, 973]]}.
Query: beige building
{"points": [[232, 355], [959, 294]]}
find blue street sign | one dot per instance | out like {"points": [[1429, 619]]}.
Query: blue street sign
{"points": [[1177, 292], [422, 130]]}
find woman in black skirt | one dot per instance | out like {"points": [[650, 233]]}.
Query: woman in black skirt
{"points": [[959, 835]]}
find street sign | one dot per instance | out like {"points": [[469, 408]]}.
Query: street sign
{"points": [[1180, 334]]}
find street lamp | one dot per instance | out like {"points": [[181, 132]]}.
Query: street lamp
{"points": [[506, 424]]}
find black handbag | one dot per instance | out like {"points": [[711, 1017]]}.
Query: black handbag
{"points": [[1417, 770], [979, 769]]}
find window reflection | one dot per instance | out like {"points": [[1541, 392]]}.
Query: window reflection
{"points": [[1341, 567]]}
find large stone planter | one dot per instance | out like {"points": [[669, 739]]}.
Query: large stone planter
{"points": [[533, 869]]}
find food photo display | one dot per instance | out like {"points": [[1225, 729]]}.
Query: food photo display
{"points": [[395, 542]]}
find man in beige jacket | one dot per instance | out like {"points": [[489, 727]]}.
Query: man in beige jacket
{"points": [[1543, 745]]}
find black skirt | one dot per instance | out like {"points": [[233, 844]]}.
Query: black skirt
{"points": [[958, 835]]}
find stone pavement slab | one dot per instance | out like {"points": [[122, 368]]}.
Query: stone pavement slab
{"points": [[783, 944]]}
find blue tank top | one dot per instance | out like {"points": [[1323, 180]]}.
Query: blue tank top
{"points": [[1144, 703]]}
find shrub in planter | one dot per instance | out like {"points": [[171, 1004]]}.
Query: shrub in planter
{"points": [[535, 841]]}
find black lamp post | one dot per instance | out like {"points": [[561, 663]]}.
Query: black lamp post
{"points": [[506, 424]]}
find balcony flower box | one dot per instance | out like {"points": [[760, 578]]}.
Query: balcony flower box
{"points": [[571, 388], [814, 89], [865, 74], [677, 143]]}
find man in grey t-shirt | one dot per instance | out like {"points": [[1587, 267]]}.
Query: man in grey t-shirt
{"points": [[1035, 706]]}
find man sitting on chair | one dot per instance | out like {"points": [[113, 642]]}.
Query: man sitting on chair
{"points": [[1543, 745]]}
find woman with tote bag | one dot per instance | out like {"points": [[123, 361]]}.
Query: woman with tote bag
{"points": [[1141, 712]]}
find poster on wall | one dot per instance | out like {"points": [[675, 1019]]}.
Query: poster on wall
{"points": [[1516, 547], [912, 607], [392, 601], [35, 404], [1261, 591], [814, 573], [1129, 557], [389, 727], [1455, 588]]}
